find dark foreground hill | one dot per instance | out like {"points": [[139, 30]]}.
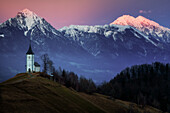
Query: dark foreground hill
{"points": [[26, 93]]}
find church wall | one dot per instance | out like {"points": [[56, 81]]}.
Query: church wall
{"points": [[30, 62], [36, 69]]}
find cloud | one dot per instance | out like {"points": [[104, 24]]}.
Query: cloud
{"points": [[97, 71], [78, 65], [145, 11]]}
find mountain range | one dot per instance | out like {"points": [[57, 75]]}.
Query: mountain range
{"points": [[97, 52]]}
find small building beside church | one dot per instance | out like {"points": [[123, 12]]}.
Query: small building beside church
{"points": [[31, 66], [36, 67]]}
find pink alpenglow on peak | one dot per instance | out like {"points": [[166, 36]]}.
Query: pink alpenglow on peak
{"points": [[142, 24], [124, 20], [28, 19], [146, 22], [26, 13], [139, 22]]}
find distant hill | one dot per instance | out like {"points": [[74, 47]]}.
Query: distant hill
{"points": [[31, 93], [147, 84]]}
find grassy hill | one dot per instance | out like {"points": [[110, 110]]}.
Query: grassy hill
{"points": [[26, 93]]}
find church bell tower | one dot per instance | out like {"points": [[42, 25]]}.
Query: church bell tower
{"points": [[30, 60]]}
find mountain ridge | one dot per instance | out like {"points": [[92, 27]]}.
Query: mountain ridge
{"points": [[139, 20], [98, 52], [146, 26]]}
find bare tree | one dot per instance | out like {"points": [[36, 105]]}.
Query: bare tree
{"points": [[45, 59], [50, 66]]}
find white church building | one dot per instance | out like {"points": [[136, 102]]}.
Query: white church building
{"points": [[31, 66]]}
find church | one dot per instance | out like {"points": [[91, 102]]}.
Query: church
{"points": [[31, 66]]}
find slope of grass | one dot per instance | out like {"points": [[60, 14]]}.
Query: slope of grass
{"points": [[32, 94], [18, 77], [40, 95], [111, 105]]}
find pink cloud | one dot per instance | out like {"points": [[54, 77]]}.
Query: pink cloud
{"points": [[145, 11]]}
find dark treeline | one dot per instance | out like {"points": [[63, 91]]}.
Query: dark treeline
{"points": [[143, 84], [68, 79]]}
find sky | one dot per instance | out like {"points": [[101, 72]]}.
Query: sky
{"points": [[60, 13]]}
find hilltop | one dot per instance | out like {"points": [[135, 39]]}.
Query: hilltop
{"points": [[32, 93]]}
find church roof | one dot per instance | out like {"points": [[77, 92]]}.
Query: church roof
{"points": [[30, 50], [36, 64]]}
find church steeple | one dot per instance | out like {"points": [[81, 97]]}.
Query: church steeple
{"points": [[30, 59], [31, 66], [30, 49]]}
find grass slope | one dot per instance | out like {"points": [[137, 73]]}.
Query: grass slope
{"points": [[117, 106], [26, 93]]}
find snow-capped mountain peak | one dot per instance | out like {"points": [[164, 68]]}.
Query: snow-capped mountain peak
{"points": [[137, 22], [30, 23], [28, 19], [26, 13], [124, 20], [146, 22], [146, 26]]}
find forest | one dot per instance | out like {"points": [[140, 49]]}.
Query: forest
{"points": [[147, 84]]}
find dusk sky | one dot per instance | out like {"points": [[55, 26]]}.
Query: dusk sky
{"points": [[60, 13]]}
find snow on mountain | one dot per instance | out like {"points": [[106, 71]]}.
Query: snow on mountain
{"points": [[77, 31], [106, 30], [27, 25], [113, 40], [25, 19], [28, 21], [145, 25]]}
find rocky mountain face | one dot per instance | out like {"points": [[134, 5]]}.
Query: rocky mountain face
{"points": [[97, 52], [146, 26], [111, 40], [27, 24]]}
